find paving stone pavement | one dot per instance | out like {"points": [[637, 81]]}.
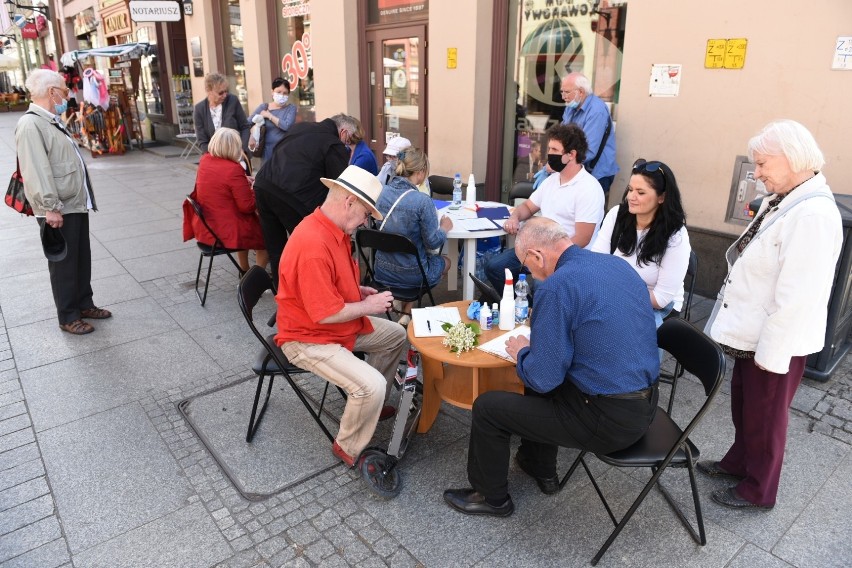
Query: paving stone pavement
{"points": [[98, 467]]}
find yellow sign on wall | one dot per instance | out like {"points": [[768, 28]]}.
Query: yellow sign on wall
{"points": [[452, 57], [715, 56], [735, 53], [725, 53]]}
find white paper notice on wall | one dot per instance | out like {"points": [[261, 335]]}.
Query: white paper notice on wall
{"points": [[842, 54], [665, 79]]}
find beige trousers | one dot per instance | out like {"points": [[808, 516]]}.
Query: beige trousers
{"points": [[367, 383]]}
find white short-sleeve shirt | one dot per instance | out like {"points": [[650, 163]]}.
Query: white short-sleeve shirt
{"points": [[580, 200]]}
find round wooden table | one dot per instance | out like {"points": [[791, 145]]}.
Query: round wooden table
{"points": [[459, 379]]}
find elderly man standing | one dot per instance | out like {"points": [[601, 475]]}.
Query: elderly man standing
{"points": [[323, 313], [589, 112], [288, 187], [589, 371]]}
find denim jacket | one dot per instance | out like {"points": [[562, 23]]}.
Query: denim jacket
{"points": [[415, 217]]}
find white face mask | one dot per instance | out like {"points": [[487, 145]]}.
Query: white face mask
{"points": [[279, 98]]}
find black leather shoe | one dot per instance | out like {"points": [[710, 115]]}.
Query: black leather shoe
{"points": [[469, 502], [548, 485], [729, 498], [714, 469]]}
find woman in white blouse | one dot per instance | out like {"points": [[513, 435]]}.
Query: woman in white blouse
{"points": [[648, 230]]}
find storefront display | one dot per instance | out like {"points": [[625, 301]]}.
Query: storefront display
{"points": [[182, 88], [294, 41]]}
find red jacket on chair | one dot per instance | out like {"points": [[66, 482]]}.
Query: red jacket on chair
{"points": [[227, 201]]}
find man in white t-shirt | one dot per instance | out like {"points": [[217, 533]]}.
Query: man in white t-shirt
{"points": [[570, 196]]}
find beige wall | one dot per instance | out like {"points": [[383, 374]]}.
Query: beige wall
{"points": [[200, 24], [334, 53], [787, 74], [459, 98]]}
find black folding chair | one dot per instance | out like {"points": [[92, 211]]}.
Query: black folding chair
{"points": [[487, 293], [376, 241], [271, 361], [689, 290], [665, 444], [216, 249]]}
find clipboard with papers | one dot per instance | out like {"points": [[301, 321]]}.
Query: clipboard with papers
{"points": [[497, 346], [427, 321]]}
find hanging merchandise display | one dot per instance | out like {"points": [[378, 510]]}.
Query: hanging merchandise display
{"points": [[108, 120]]}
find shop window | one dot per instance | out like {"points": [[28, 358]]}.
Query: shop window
{"points": [[551, 39], [296, 64], [232, 38]]}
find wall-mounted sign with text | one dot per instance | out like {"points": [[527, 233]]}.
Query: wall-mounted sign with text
{"points": [[155, 11]]}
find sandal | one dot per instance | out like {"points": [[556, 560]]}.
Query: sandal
{"points": [[96, 313], [77, 327]]}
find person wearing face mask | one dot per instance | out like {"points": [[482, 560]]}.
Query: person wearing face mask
{"points": [[287, 186], [279, 116], [57, 186], [218, 109], [571, 196], [589, 112]]}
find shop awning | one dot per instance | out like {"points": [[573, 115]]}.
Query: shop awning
{"points": [[131, 50], [8, 63]]}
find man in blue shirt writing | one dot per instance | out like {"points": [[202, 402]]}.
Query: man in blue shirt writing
{"points": [[589, 112], [589, 370]]}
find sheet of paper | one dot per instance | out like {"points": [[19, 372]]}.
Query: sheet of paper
{"points": [[497, 346], [477, 224], [427, 321]]}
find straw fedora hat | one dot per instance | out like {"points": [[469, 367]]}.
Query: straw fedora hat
{"points": [[360, 183]]}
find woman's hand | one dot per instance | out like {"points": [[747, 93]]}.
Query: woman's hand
{"points": [[446, 224], [266, 114], [54, 219]]}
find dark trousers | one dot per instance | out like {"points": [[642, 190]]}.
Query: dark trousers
{"points": [[760, 402], [277, 220], [606, 183], [565, 417], [71, 279]]}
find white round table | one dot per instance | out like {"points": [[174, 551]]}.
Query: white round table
{"points": [[469, 238]]}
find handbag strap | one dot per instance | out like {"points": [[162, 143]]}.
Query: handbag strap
{"points": [[395, 203], [594, 162]]}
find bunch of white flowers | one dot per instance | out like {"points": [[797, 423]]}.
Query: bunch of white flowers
{"points": [[461, 337]]}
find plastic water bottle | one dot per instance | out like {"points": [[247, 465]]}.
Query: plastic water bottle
{"points": [[457, 192], [522, 303], [485, 320]]}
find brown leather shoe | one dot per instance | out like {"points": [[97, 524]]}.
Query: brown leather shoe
{"points": [[77, 327], [96, 313]]}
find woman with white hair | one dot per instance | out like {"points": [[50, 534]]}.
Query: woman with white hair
{"points": [[772, 309], [58, 188]]}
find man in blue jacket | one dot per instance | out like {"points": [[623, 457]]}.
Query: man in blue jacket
{"points": [[589, 112], [589, 370]]}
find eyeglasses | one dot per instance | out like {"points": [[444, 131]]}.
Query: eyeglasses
{"points": [[641, 165], [568, 92], [524, 268], [220, 93]]}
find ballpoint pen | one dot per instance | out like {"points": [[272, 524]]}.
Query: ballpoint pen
{"points": [[429, 325]]}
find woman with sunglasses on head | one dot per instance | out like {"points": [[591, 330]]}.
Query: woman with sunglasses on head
{"points": [[218, 109], [648, 230], [773, 307], [279, 115]]}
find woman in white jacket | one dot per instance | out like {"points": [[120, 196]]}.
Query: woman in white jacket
{"points": [[772, 309]]}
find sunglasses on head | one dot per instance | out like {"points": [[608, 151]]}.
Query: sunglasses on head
{"points": [[641, 165]]}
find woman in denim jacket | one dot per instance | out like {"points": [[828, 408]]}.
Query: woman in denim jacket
{"points": [[414, 215]]}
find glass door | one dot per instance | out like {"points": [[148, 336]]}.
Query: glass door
{"points": [[397, 86]]}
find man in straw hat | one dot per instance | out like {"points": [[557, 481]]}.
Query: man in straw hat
{"points": [[324, 314]]}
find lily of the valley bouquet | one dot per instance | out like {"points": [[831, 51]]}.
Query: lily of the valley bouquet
{"points": [[461, 337]]}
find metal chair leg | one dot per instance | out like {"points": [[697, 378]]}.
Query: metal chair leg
{"points": [[254, 424]]}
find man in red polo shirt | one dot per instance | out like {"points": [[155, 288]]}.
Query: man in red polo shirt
{"points": [[323, 312]]}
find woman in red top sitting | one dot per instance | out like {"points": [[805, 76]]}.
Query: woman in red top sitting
{"points": [[226, 198]]}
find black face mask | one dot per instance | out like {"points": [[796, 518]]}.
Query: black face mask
{"points": [[555, 162]]}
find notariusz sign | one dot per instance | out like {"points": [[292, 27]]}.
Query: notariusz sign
{"points": [[154, 11]]}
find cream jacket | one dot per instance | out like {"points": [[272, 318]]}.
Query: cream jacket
{"points": [[50, 165], [775, 300]]}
